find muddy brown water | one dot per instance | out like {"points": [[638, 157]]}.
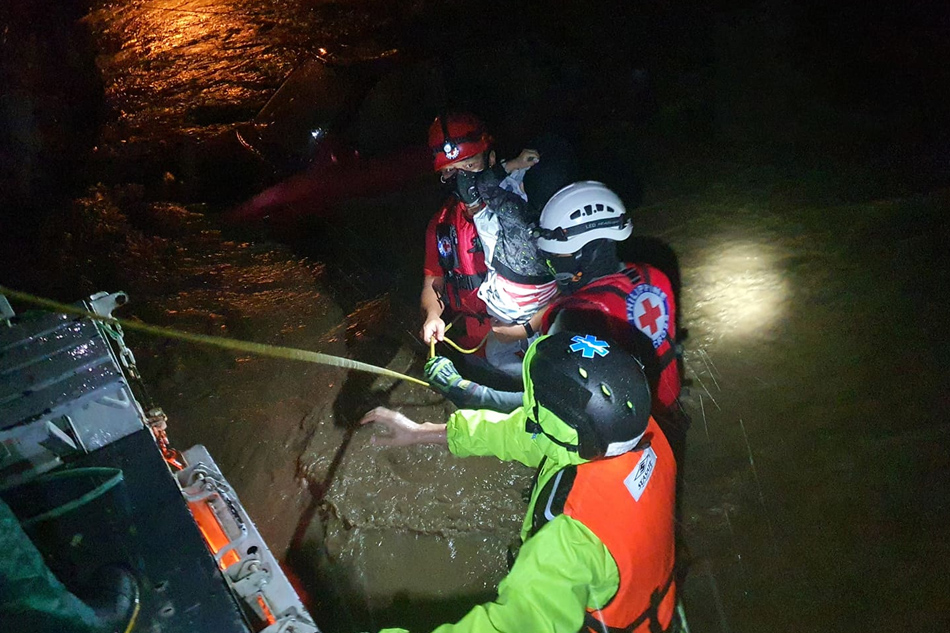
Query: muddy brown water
{"points": [[816, 470]]}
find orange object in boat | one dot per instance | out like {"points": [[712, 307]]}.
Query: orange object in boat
{"points": [[213, 533]]}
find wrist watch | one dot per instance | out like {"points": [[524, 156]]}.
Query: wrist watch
{"points": [[528, 329]]}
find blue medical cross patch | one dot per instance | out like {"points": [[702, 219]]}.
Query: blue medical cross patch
{"points": [[589, 345]]}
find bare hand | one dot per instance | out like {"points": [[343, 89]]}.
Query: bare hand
{"points": [[525, 159], [508, 333], [433, 327], [402, 430]]}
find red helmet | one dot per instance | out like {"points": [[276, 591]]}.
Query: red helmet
{"points": [[457, 137]]}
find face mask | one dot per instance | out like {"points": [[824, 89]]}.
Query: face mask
{"points": [[566, 271]]}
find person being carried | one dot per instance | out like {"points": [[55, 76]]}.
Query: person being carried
{"points": [[516, 282], [598, 551]]}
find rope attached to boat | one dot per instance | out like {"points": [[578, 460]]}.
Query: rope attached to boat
{"points": [[261, 349]]}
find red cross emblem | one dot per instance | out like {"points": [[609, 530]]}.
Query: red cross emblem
{"points": [[649, 312], [649, 317]]}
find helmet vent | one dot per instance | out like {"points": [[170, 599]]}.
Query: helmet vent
{"points": [[606, 390], [591, 209]]}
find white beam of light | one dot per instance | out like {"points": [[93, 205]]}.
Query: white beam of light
{"points": [[740, 289]]}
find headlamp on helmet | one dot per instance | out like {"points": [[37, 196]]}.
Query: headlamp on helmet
{"points": [[457, 136]]}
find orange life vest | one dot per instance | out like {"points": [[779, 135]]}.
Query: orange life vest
{"points": [[638, 302], [628, 502]]}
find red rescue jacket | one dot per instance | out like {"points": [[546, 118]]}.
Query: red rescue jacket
{"points": [[638, 302], [454, 252]]}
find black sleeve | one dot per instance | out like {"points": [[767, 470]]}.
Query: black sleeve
{"points": [[486, 398], [502, 201]]}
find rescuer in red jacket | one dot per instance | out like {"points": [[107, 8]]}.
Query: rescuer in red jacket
{"points": [[454, 259], [454, 268], [455, 264]]}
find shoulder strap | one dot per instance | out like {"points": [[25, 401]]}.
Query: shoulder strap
{"points": [[606, 289], [594, 625], [552, 498], [636, 275]]}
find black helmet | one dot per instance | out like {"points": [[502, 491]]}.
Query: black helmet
{"points": [[586, 394]]}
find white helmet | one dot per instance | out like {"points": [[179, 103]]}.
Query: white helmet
{"points": [[580, 213]]}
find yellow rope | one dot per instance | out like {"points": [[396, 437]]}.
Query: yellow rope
{"points": [[453, 344], [135, 613], [261, 349]]}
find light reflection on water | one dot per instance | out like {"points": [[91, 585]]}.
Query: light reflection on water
{"points": [[172, 26], [196, 67], [165, 61], [743, 289]]}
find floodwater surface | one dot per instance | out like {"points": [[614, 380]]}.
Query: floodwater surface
{"points": [[816, 469]]}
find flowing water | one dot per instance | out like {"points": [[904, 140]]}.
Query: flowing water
{"points": [[812, 293]]}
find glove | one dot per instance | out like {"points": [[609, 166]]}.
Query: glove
{"points": [[442, 375], [498, 171], [465, 186]]}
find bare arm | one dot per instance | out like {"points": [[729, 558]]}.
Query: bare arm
{"points": [[507, 333], [431, 304], [403, 431]]}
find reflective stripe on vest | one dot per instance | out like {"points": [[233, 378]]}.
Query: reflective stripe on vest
{"points": [[657, 597]]}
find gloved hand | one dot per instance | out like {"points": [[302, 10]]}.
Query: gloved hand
{"points": [[441, 374], [466, 188]]}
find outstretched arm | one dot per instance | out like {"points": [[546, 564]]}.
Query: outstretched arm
{"points": [[442, 376], [402, 430], [525, 160], [467, 433]]}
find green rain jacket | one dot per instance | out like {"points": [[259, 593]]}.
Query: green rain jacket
{"points": [[563, 568]]}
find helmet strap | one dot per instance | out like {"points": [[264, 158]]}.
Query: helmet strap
{"points": [[568, 272], [535, 428]]}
